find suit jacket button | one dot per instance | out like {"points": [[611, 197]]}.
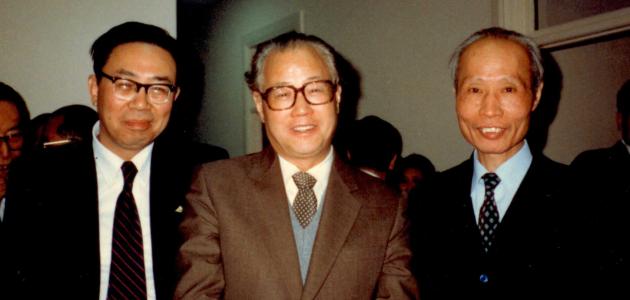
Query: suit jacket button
{"points": [[483, 278]]}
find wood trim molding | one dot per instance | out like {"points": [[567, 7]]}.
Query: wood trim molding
{"points": [[519, 15]]}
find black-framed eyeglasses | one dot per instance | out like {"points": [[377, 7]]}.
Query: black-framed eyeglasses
{"points": [[127, 89], [315, 93], [14, 140]]}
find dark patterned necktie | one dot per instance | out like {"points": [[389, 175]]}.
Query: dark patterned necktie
{"points": [[305, 204], [489, 214], [127, 277]]}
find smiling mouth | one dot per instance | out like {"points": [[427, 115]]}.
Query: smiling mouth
{"points": [[138, 124], [491, 129], [303, 128]]}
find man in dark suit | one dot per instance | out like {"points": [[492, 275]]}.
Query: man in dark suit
{"points": [[73, 232], [486, 229], [603, 193], [14, 118], [293, 221]]}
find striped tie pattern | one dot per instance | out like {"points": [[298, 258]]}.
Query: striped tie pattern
{"points": [[489, 214], [305, 204], [127, 276]]}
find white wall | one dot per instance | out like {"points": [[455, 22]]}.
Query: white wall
{"points": [[592, 75], [44, 45], [400, 48]]}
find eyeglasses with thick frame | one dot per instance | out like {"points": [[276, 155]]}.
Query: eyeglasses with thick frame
{"points": [[127, 89], [284, 97], [14, 140]]}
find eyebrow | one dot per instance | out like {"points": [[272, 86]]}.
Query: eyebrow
{"points": [[510, 79], [132, 74], [309, 79]]}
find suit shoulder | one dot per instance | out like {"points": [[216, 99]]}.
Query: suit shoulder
{"points": [[239, 162], [551, 165], [55, 159], [237, 168], [592, 157], [462, 171], [371, 190]]}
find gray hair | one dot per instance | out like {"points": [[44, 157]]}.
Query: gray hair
{"points": [[533, 52], [290, 40]]}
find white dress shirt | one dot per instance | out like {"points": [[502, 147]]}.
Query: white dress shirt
{"points": [[321, 172], [110, 183], [511, 173]]}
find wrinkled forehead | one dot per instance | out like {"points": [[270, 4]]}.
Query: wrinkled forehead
{"points": [[501, 58]]}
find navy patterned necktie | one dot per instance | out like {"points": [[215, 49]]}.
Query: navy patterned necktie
{"points": [[489, 214], [127, 276], [305, 203]]}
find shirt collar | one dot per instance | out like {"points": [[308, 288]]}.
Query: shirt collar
{"points": [[108, 163], [511, 172], [318, 171], [627, 146]]}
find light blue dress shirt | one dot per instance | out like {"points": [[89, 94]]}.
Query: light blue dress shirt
{"points": [[511, 173]]}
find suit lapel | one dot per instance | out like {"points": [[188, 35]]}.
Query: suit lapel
{"points": [[458, 187], [82, 205], [530, 192], [339, 214], [275, 221]]}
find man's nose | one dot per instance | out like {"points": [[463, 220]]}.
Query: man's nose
{"points": [[301, 104], [491, 104], [5, 151], [141, 100]]}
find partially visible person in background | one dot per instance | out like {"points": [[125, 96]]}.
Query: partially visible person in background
{"points": [[602, 198], [70, 124], [14, 116], [35, 135], [411, 171], [373, 146]]}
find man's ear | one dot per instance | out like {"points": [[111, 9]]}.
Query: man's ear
{"points": [[538, 95], [176, 94], [619, 120], [258, 101], [93, 89], [338, 97]]}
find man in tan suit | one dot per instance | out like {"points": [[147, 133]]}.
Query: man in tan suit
{"points": [[293, 221]]}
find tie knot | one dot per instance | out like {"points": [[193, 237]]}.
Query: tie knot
{"points": [[304, 180], [129, 172], [491, 180]]}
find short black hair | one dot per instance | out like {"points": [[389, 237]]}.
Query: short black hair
{"points": [[623, 99], [373, 143], [418, 162], [8, 94], [77, 122], [130, 32]]}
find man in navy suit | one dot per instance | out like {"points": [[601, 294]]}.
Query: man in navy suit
{"points": [[62, 204], [487, 228]]}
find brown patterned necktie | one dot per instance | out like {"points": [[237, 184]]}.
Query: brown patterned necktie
{"points": [[127, 276], [305, 204], [489, 214]]}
